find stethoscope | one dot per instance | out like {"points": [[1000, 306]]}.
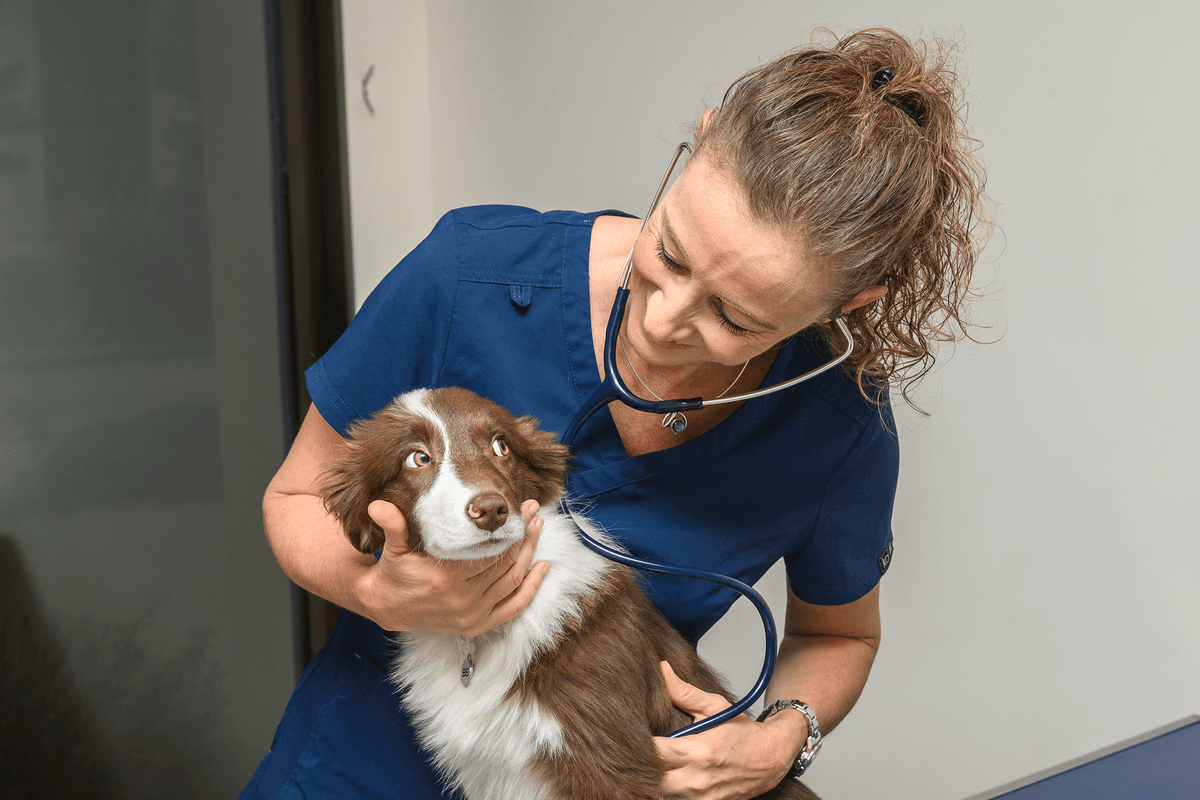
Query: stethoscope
{"points": [[614, 388]]}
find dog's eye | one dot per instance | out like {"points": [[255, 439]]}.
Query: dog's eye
{"points": [[499, 447], [417, 459]]}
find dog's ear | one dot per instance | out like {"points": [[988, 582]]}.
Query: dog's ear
{"points": [[546, 457], [358, 478]]}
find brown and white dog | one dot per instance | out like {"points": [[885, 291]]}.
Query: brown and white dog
{"points": [[565, 698]]}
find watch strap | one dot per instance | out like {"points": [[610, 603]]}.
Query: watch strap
{"points": [[811, 745]]}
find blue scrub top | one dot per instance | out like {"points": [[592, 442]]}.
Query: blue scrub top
{"points": [[496, 300]]}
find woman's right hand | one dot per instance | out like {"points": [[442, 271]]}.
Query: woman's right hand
{"points": [[409, 590]]}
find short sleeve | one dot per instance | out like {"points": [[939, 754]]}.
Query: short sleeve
{"points": [[851, 546], [397, 340]]}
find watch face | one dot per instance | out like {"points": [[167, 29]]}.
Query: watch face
{"points": [[807, 756]]}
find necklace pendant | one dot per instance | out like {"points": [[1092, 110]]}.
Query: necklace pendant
{"points": [[468, 670], [676, 421]]}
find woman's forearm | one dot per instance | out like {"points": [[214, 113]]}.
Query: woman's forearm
{"points": [[313, 551], [826, 672], [824, 660]]}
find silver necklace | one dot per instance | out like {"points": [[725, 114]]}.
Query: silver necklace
{"points": [[676, 421]]}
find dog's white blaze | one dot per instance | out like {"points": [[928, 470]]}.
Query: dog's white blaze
{"points": [[483, 741], [447, 533], [416, 402], [445, 528]]}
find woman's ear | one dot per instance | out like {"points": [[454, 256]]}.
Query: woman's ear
{"points": [[705, 120], [868, 295]]}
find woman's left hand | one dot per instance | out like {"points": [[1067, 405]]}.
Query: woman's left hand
{"points": [[738, 759]]}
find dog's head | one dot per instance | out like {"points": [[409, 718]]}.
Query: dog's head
{"points": [[459, 466]]}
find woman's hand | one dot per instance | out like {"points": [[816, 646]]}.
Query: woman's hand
{"points": [[738, 759], [409, 590]]}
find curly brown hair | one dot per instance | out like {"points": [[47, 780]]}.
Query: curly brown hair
{"points": [[860, 146]]}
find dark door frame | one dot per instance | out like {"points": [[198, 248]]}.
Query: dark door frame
{"points": [[312, 224]]}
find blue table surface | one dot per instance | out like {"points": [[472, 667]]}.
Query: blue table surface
{"points": [[1161, 765]]}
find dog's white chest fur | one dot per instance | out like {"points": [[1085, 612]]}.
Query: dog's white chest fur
{"points": [[482, 739]]}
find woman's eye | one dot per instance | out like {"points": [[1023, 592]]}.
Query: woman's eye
{"points": [[417, 459], [669, 262], [499, 447], [727, 323]]}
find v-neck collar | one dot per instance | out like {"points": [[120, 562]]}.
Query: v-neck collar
{"points": [[600, 460]]}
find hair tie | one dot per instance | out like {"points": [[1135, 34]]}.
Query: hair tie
{"points": [[882, 78]]}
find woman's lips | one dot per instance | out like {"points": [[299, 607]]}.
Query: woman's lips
{"points": [[666, 345]]}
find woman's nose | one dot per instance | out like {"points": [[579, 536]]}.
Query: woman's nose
{"points": [[669, 314]]}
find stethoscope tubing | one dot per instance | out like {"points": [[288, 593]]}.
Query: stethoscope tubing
{"points": [[744, 589], [613, 387]]}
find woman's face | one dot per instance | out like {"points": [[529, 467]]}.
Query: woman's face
{"points": [[710, 283]]}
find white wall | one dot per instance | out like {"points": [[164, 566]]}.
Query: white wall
{"points": [[388, 128], [1043, 600]]}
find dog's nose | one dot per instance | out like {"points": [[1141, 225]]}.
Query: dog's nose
{"points": [[488, 511]]}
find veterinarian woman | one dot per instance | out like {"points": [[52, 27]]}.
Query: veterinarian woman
{"points": [[835, 180]]}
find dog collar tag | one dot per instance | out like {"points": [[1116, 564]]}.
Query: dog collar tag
{"points": [[468, 670]]}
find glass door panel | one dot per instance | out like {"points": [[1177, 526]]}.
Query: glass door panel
{"points": [[140, 400]]}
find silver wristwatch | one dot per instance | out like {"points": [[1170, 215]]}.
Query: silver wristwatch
{"points": [[811, 746]]}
